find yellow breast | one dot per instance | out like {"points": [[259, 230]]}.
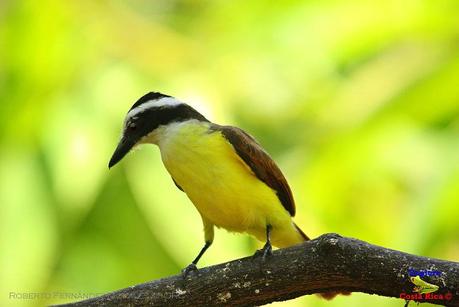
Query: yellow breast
{"points": [[220, 185]]}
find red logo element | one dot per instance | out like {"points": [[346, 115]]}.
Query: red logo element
{"points": [[427, 296]]}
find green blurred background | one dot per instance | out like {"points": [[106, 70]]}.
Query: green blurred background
{"points": [[358, 102]]}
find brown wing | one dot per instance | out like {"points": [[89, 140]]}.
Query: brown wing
{"points": [[260, 163], [177, 185]]}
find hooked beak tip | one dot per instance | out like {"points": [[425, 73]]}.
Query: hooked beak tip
{"points": [[113, 161]]}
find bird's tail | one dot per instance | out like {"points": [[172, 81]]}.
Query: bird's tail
{"points": [[328, 295], [305, 237]]}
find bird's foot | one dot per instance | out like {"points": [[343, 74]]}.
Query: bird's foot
{"points": [[267, 250], [190, 268]]}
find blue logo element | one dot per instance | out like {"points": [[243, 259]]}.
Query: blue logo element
{"points": [[423, 273]]}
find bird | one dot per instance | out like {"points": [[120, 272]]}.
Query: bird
{"points": [[229, 177]]}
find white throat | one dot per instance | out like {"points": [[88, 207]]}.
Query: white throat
{"points": [[162, 135]]}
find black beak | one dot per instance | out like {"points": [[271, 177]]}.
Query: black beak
{"points": [[121, 150]]}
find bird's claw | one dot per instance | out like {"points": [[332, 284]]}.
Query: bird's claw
{"points": [[190, 268], [267, 250]]}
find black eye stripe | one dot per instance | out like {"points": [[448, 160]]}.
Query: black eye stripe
{"points": [[143, 123]]}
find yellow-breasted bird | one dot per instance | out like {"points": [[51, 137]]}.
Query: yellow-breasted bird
{"points": [[228, 176]]}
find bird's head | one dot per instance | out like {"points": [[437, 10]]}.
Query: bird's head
{"points": [[150, 112]]}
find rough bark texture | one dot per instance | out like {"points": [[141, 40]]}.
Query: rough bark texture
{"points": [[328, 263]]}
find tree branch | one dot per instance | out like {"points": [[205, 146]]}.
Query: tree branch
{"points": [[326, 264]]}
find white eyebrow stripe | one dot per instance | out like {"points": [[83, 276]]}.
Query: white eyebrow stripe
{"points": [[162, 102]]}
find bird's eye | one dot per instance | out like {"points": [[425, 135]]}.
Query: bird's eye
{"points": [[132, 126]]}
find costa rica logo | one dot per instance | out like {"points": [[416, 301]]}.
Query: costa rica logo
{"points": [[423, 290]]}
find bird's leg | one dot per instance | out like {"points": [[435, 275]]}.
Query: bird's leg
{"points": [[267, 249], [192, 266]]}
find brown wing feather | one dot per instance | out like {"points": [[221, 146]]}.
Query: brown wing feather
{"points": [[260, 163]]}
